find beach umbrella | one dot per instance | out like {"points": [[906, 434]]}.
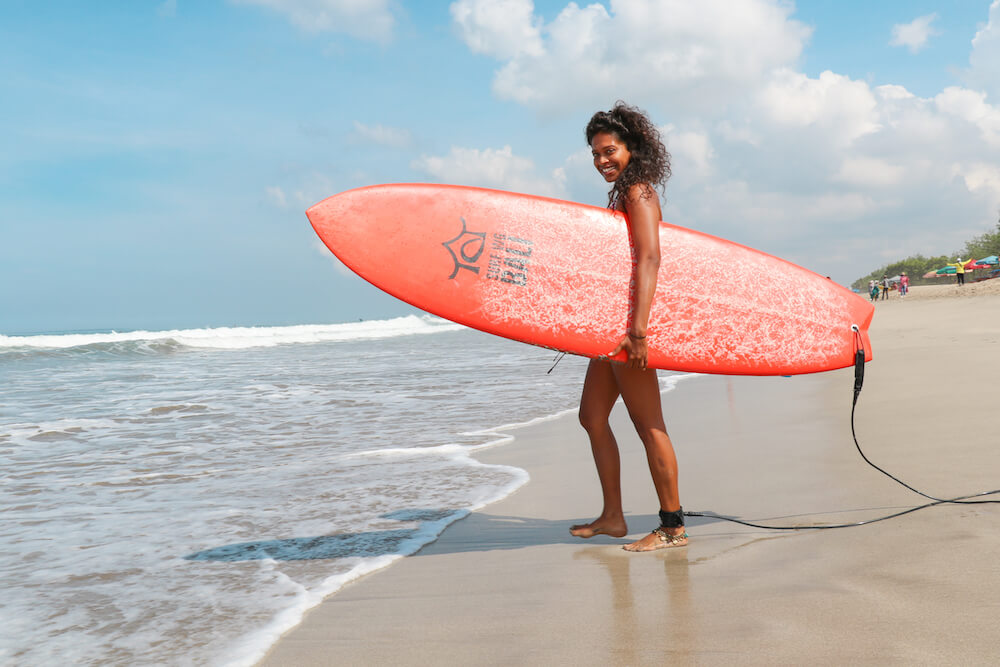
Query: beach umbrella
{"points": [[992, 259], [931, 274], [945, 270]]}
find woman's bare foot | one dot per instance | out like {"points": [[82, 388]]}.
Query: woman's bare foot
{"points": [[600, 526], [661, 538]]}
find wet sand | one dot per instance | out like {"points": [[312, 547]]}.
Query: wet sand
{"points": [[509, 585]]}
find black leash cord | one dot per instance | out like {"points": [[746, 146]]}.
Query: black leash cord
{"points": [[859, 375], [559, 357]]}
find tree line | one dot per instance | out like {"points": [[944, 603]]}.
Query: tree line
{"points": [[984, 245]]}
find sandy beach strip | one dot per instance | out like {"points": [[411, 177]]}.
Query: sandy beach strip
{"points": [[509, 585]]}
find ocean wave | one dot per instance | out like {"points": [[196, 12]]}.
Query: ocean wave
{"points": [[228, 338], [26, 433]]}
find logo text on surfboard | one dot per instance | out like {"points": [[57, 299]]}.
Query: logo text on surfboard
{"points": [[509, 256], [509, 259]]}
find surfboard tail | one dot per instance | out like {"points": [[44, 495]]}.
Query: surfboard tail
{"points": [[865, 342]]}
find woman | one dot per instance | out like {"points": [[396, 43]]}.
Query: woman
{"points": [[629, 154]]}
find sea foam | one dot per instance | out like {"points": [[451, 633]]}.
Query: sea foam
{"points": [[242, 337]]}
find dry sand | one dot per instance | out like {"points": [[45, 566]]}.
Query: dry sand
{"points": [[508, 585], [947, 289]]}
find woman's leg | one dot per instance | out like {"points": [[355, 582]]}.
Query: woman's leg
{"points": [[600, 391], [641, 392]]}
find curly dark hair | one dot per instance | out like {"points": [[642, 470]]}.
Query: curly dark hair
{"points": [[650, 161]]}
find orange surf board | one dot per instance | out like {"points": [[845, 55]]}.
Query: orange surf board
{"points": [[556, 274]]}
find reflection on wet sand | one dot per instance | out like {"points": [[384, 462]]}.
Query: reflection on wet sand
{"points": [[637, 621]]}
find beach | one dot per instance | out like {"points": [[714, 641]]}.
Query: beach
{"points": [[509, 585]]}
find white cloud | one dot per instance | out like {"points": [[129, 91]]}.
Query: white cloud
{"points": [[276, 196], [694, 55], [868, 172], [971, 106], [491, 168], [842, 108], [499, 28], [894, 92], [365, 19], [984, 59], [690, 151], [981, 178], [903, 115], [743, 133], [914, 35], [393, 137]]}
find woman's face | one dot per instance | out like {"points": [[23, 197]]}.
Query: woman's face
{"points": [[611, 156]]}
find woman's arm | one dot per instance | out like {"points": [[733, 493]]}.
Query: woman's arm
{"points": [[643, 209]]}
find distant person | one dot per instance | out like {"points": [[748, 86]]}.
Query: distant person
{"points": [[872, 290], [886, 284], [959, 271], [904, 284], [629, 153]]}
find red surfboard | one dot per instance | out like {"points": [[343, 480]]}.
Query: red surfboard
{"points": [[556, 274]]}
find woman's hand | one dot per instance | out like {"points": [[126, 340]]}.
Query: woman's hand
{"points": [[637, 350]]}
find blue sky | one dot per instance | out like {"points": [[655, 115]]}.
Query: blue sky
{"points": [[157, 157]]}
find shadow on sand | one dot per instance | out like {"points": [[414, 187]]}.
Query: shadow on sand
{"points": [[480, 532]]}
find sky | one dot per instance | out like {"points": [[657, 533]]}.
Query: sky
{"points": [[156, 158]]}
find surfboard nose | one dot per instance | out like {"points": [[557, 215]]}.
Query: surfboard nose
{"points": [[323, 214]]}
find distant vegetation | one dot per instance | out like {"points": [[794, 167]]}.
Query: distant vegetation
{"points": [[984, 245]]}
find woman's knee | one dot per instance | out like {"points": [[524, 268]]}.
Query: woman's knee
{"points": [[592, 420], [650, 432]]}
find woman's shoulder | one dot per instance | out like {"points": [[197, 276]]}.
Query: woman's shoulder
{"points": [[638, 191], [640, 195]]}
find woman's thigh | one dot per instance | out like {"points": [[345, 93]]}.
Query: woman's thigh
{"points": [[600, 391]]}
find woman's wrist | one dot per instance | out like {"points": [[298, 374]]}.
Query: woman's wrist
{"points": [[633, 335]]}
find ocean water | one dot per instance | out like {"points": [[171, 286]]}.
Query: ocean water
{"points": [[183, 497]]}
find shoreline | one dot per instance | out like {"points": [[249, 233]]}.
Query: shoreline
{"points": [[495, 438], [508, 583]]}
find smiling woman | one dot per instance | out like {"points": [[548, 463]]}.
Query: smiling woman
{"points": [[629, 154]]}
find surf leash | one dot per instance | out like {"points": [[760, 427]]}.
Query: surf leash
{"points": [[859, 378], [559, 357]]}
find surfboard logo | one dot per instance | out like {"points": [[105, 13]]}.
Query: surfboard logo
{"points": [[470, 247], [509, 258]]}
